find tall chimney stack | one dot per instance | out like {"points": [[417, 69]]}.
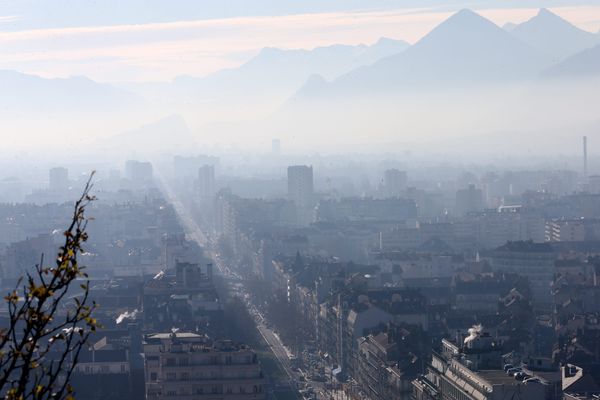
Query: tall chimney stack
{"points": [[585, 166]]}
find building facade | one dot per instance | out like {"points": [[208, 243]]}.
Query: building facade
{"points": [[181, 366]]}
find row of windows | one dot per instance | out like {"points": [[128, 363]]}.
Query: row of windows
{"points": [[227, 360], [186, 376], [215, 390], [103, 369]]}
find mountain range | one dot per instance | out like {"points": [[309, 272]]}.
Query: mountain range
{"points": [[464, 54], [259, 86], [149, 139], [582, 65], [20, 91], [468, 50], [552, 35], [464, 78], [280, 70]]}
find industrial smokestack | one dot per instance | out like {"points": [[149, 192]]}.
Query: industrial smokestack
{"points": [[585, 166]]}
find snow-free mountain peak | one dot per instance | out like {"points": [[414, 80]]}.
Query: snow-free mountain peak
{"points": [[465, 49], [553, 35]]}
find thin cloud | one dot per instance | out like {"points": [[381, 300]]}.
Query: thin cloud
{"points": [[161, 51], [8, 18]]}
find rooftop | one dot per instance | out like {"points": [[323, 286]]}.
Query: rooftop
{"points": [[178, 335], [497, 377], [526, 247]]}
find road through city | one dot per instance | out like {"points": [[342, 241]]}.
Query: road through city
{"points": [[235, 286]]}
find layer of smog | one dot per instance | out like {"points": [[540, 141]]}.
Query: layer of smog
{"points": [[317, 200]]}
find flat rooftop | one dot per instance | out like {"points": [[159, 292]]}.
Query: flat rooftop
{"points": [[179, 335], [497, 377]]}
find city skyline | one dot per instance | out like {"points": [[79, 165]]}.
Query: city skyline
{"points": [[300, 199]]}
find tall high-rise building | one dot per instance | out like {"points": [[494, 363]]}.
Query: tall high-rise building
{"points": [[594, 184], [276, 147], [59, 179], [138, 171], [300, 185], [186, 167], [395, 182], [206, 181], [469, 200]]}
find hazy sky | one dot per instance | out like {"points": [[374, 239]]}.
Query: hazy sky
{"points": [[156, 40]]}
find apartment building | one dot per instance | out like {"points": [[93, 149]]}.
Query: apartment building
{"points": [[183, 366], [471, 369]]}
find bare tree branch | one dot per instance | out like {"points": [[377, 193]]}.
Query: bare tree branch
{"points": [[40, 348]]}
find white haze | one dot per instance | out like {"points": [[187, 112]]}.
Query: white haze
{"points": [[442, 95]]}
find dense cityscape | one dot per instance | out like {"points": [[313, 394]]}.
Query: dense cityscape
{"points": [[483, 285], [316, 200]]}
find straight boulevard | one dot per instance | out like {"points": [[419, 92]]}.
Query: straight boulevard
{"points": [[234, 287]]}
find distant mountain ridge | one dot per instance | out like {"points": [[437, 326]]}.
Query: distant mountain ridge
{"points": [[582, 65], [170, 133], [465, 49], [464, 72], [19, 90], [276, 70], [553, 35], [258, 87]]}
